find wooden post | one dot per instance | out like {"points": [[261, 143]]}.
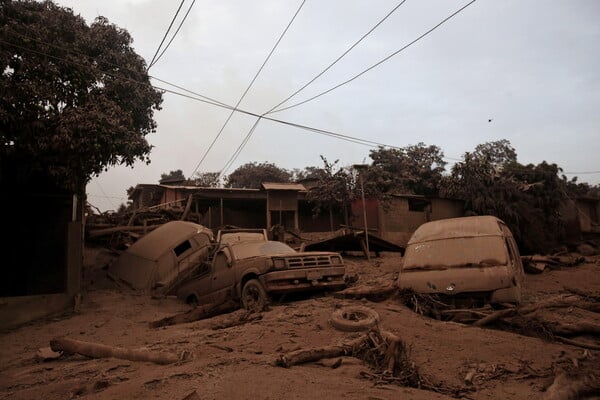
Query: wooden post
{"points": [[268, 211], [221, 211]]}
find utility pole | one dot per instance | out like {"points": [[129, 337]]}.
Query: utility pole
{"points": [[360, 168]]}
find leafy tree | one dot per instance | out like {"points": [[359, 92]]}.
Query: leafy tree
{"points": [[580, 189], [497, 153], [333, 190], [76, 99], [526, 197], [207, 179], [252, 175], [176, 175], [415, 169]]}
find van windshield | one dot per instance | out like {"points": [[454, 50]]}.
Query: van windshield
{"points": [[480, 251]]}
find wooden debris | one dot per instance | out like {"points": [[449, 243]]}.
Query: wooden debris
{"points": [[565, 387], [536, 264], [375, 293], [192, 396], [309, 355], [236, 318], [578, 343], [195, 314], [95, 350]]}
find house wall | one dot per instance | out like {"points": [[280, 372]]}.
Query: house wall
{"points": [[42, 256], [171, 195], [398, 221], [588, 211], [570, 220], [357, 214], [321, 223]]}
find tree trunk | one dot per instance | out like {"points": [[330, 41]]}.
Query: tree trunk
{"points": [[195, 314], [95, 350]]}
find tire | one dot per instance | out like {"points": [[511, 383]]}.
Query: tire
{"points": [[254, 296], [354, 318]]}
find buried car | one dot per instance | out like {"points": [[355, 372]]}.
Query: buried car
{"points": [[467, 261], [160, 260], [250, 271]]}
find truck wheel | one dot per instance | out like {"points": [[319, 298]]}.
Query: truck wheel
{"points": [[354, 318], [254, 296]]}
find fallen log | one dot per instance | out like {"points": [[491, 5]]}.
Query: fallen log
{"points": [[578, 343], [587, 295], [195, 314], [368, 292], [555, 302], [494, 317], [303, 356], [95, 350], [574, 329], [236, 318]]}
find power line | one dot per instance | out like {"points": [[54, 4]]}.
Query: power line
{"points": [[246, 91], [582, 173], [217, 103], [175, 34], [208, 100], [105, 196], [337, 59], [379, 62], [239, 149], [166, 33], [324, 132], [200, 97]]}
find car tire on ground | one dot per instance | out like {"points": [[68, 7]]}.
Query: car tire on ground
{"points": [[254, 296], [354, 318]]}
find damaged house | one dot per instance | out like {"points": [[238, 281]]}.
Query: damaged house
{"points": [[286, 205]]}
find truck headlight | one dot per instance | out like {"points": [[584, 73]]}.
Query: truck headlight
{"points": [[278, 263], [336, 260]]}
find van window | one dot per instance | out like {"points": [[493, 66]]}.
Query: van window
{"points": [[182, 247], [478, 251]]}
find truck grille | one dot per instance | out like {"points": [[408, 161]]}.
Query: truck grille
{"points": [[308, 261]]}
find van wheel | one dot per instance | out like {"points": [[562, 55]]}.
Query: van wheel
{"points": [[254, 296], [354, 318]]}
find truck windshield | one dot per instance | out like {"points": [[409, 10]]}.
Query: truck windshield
{"points": [[478, 251], [243, 250]]}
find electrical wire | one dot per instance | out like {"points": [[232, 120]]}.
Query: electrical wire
{"points": [[337, 59], [379, 62], [246, 92], [120, 67], [216, 103], [239, 149], [175, 34], [208, 100], [166, 33], [324, 132]]}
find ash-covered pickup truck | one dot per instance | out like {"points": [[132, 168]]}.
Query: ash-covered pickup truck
{"points": [[249, 268]]}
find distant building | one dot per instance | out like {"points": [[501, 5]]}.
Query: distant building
{"points": [[287, 205], [580, 216]]}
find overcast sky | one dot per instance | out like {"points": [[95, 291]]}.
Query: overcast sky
{"points": [[531, 66]]}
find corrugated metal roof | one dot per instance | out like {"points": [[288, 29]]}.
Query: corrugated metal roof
{"points": [[283, 186]]}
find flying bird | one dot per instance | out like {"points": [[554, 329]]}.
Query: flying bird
{"points": [[490, 120]]}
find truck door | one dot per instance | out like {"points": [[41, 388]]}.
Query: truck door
{"points": [[222, 275]]}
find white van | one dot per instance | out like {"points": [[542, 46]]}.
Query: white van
{"points": [[470, 259]]}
